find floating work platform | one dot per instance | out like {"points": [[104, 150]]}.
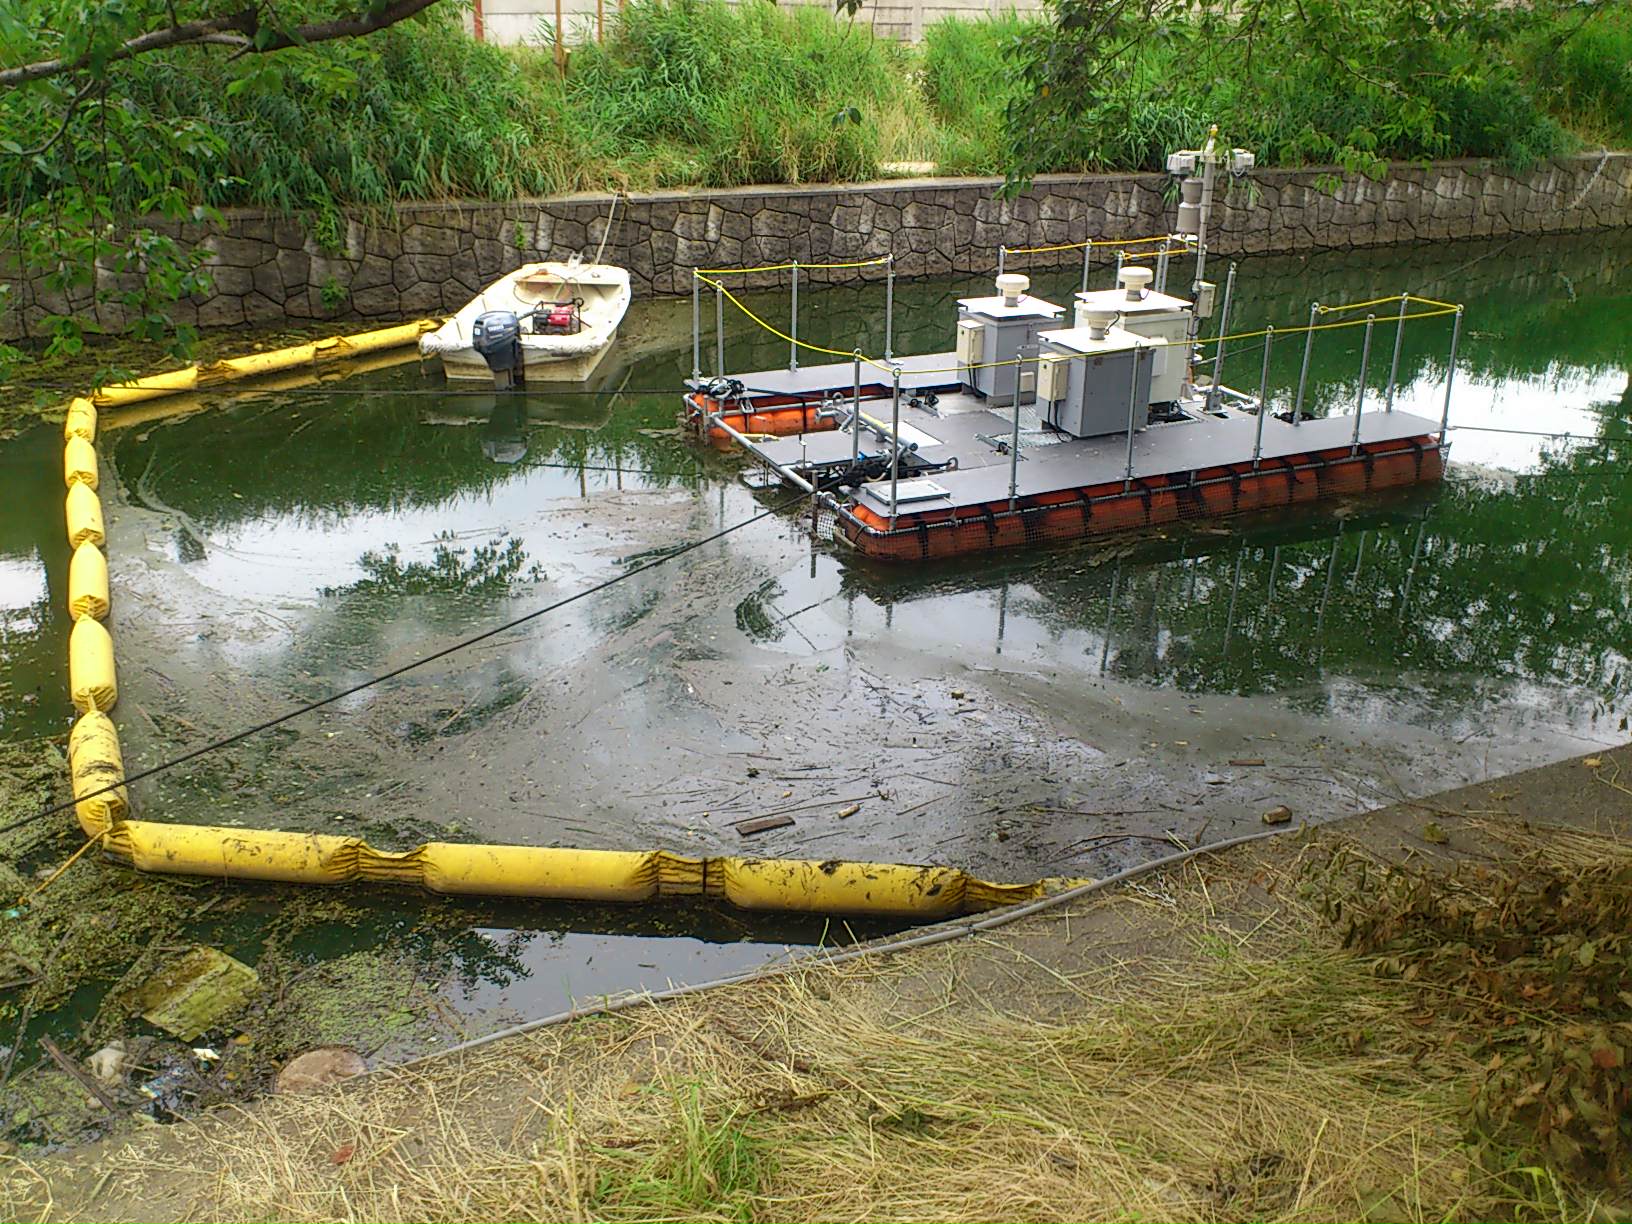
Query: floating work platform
{"points": [[959, 486], [1046, 423]]}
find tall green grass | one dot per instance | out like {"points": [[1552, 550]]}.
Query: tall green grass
{"points": [[1589, 78], [706, 93], [969, 79], [698, 92]]}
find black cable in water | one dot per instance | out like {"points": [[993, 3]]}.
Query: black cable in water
{"points": [[464, 644]]}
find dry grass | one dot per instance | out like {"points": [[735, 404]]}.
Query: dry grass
{"points": [[1196, 1046], [1239, 1065]]}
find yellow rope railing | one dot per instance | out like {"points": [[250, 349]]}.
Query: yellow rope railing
{"points": [[1438, 308], [1100, 242], [803, 267]]}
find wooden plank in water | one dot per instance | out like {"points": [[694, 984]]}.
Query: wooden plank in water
{"points": [[762, 824]]}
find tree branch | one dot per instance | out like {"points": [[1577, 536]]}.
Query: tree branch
{"points": [[234, 29]]}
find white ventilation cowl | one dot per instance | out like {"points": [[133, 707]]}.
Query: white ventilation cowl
{"points": [[1136, 281], [1098, 322], [1013, 287]]}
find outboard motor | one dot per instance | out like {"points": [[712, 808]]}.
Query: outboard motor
{"points": [[496, 335]]}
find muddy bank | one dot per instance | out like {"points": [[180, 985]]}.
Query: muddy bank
{"points": [[1236, 1057]]}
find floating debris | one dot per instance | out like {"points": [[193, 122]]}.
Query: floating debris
{"points": [[1278, 815], [318, 1069], [195, 992]]}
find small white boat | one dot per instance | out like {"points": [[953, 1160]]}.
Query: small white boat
{"points": [[569, 316]]}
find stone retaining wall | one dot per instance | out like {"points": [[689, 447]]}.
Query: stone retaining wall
{"points": [[432, 258]]}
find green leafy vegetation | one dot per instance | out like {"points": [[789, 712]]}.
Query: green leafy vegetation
{"points": [[1118, 83], [699, 92]]}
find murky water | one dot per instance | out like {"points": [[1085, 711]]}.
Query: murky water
{"points": [[1041, 713]]}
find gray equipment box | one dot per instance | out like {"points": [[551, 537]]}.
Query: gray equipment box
{"points": [[990, 330], [1087, 393]]}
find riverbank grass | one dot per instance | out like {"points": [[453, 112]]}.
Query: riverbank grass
{"points": [[1263, 1036]]}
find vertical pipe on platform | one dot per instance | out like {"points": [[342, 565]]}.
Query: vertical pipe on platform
{"points": [[1161, 268], [696, 325], [719, 331], [1394, 366], [1360, 398], [793, 323], [1263, 397], [1121, 258], [1219, 341], [1002, 259], [1087, 259], [1303, 374], [1450, 376], [1014, 433], [855, 413], [895, 437], [889, 306], [1133, 402]]}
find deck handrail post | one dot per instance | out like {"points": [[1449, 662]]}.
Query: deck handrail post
{"points": [[889, 306], [1002, 259], [855, 413], [1014, 434], [793, 323], [1133, 402], [1394, 366], [1263, 397], [1360, 398], [1303, 374], [1219, 340], [1087, 258], [719, 330], [696, 326], [895, 437], [1161, 268], [1450, 376]]}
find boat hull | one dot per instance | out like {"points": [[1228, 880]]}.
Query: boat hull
{"points": [[541, 365]]}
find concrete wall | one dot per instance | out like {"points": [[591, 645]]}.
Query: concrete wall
{"points": [[517, 21], [432, 258]]}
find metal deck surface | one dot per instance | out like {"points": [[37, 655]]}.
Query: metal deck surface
{"points": [[1161, 449]]}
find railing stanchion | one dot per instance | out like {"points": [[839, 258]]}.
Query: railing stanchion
{"points": [[1394, 366], [855, 415], [889, 306], [1002, 259], [696, 326], [1133, 404], [793, 323], [1450, 376], [1219, 342], [719, 330], [1263, 398], [1014, 433], [895, 438], [1360, 398], [1303, 374], [1087, 258]]}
